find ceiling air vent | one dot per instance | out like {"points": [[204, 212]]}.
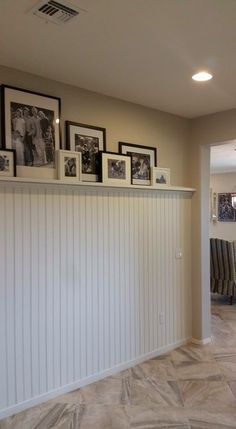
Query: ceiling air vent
{"points": [[54, 11]]}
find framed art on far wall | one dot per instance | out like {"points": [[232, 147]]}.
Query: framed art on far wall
{"points": [[226, 212], [88, 140], [160, 176], [7, 163], [115, 168], [69, 166], [143, 158], [30, 124]]}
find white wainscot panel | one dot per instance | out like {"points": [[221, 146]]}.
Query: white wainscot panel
{"points": [[85, 274]]}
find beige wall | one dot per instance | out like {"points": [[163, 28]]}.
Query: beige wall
{"points": [[223, 183], [183, 145], [123, 121], [119, 306]]}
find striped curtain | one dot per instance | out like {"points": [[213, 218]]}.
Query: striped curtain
{"points": [[223, 266]]}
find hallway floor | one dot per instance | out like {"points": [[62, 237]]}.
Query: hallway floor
{"points": [[193, 387]]}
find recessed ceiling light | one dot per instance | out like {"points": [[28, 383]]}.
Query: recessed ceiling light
{"points": [[202, 76]]}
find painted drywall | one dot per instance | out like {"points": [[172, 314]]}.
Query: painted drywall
{"points": [[86, 277], [223, 183], [123, 121], [205, 131]]}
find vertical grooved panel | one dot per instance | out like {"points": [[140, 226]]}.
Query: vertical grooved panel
{"points": [[3, 314], [44, 326], [70, 287], [56, 293], [10, 297], [19, 355], [49, 293], [85, 274], [100, 285], [76, 288], [63, 289]]}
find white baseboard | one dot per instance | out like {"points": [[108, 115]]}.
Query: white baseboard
{"points": [[88, 380], [202, 342]]}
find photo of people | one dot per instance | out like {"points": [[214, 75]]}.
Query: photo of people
{"points": [[70, 167], [33, 135], [116, 169], [143, 158], [161, 179], [4, 163], [140, 165], [89, 147]]}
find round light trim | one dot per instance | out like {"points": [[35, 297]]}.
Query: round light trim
{"points": [[202, 76]]}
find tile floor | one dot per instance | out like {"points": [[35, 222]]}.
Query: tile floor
{"points": [[193, 387]]}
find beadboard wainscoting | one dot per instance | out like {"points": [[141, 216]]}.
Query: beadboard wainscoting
{"points": [[91, 282]]}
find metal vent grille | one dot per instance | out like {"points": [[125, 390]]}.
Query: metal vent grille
{"points": [[53, 11]]}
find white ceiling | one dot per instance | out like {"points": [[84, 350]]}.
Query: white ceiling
{"points": [[144, 51], [223, 158]]}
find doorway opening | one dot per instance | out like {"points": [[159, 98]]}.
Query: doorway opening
{"points": [[222, 234]]}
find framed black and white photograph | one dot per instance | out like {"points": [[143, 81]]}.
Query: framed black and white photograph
{"points": [[31, 127], [69, 165], [115, 168], [7, 163], [88, 140], [160, 176], [226, 212], [143, 158]]}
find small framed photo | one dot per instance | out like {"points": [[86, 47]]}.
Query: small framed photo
{"points": [[7, 163], [115, 168], [143, 158], [160, 176], [30, 125], [88, 140], [69, 165]]}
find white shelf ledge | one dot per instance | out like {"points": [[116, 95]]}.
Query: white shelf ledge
{"points": [[53, 182]]}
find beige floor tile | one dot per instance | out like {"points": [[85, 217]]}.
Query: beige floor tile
{"points": [[228, 367], [155, 418], [206, 394], [193, 370], [104, 417], [224, 340], [159, 369], [192, 352], [152, 393], [107, 391], [232, 385], [223, 418]]}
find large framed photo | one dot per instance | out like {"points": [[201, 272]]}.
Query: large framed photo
{"points": [[69, 166], [31, 127], [7, 163], [115, 168], [160, 176], [143, 158], [88, 140], [226, 212]]}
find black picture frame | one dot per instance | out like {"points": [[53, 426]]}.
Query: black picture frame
{"points": [[36, 151], [147, 158], [13, 152], [89, 140]]}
